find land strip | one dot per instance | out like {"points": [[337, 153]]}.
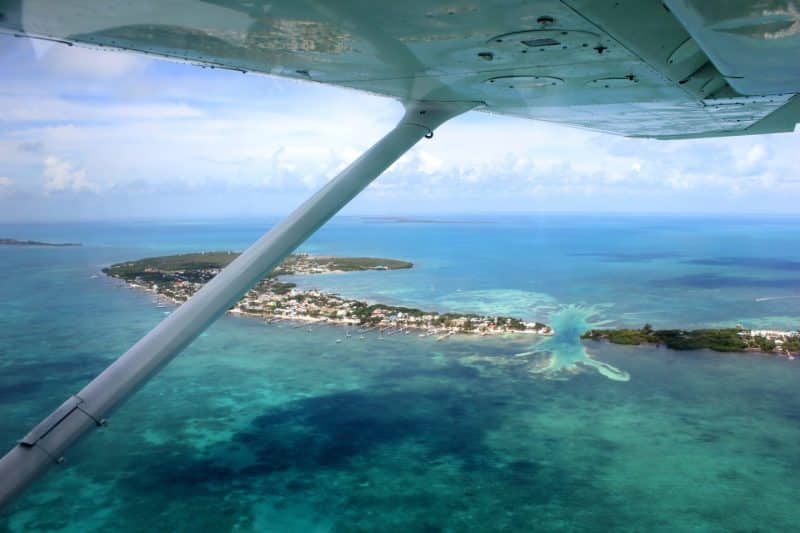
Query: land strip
{"points": [[736, 339], [14, 242], [177, 277]]}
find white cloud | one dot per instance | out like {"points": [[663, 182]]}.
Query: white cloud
{"points": [[34, 107], [61, 175], [209, 131], [7, 187], [755, 154], [76, 61], [752, 159], [428, 163]]}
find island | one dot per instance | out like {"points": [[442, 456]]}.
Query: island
{"points": [[177, 277], [736, 339], [4, 241]]}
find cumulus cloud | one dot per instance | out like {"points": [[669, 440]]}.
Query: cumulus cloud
{"points": [[6, 183], [210, 131], [76, 61], [62, 175], [755, 154]]}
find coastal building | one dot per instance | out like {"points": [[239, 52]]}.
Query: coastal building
{"points": [[773, 334]]}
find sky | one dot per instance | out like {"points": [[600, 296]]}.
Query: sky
{"points": [[95, 135]]}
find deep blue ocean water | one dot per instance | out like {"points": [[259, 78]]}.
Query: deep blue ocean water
{"points": [[264, 428]]}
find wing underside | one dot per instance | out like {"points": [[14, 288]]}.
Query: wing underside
{"points": [[683, 68]]}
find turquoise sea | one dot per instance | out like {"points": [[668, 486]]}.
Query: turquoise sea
{"points": [[261, 427]]}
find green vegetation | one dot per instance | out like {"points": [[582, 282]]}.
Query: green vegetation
{"points": [[350, 264], [719, 339], [179, 276], [200, 267], [619, 336], [792, 345], [174, 263], [282, 287], [4, 241]]}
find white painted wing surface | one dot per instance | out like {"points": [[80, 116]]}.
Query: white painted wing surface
{"points": [[684, 68]]}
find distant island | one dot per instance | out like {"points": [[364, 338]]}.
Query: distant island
{"points": [[416, 220], [177, 277], [736, 339], [15, 242]]}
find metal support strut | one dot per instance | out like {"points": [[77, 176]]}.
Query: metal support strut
{"points": [[45, 443]]}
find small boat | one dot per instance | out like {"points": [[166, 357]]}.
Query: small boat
{"points": [[338, 341]]}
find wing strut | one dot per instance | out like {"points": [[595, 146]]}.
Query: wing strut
{"points": [[45, 443]]}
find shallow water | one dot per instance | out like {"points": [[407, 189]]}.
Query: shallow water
{"points": [[260, 427], [563, 355]]}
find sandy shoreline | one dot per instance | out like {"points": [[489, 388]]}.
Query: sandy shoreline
{"points": [[303, 320]]}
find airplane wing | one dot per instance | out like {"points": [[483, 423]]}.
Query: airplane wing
{"points": [[639, 68], [684, 68]]}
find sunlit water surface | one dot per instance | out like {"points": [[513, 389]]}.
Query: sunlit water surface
{"points": [[271, 428]]}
